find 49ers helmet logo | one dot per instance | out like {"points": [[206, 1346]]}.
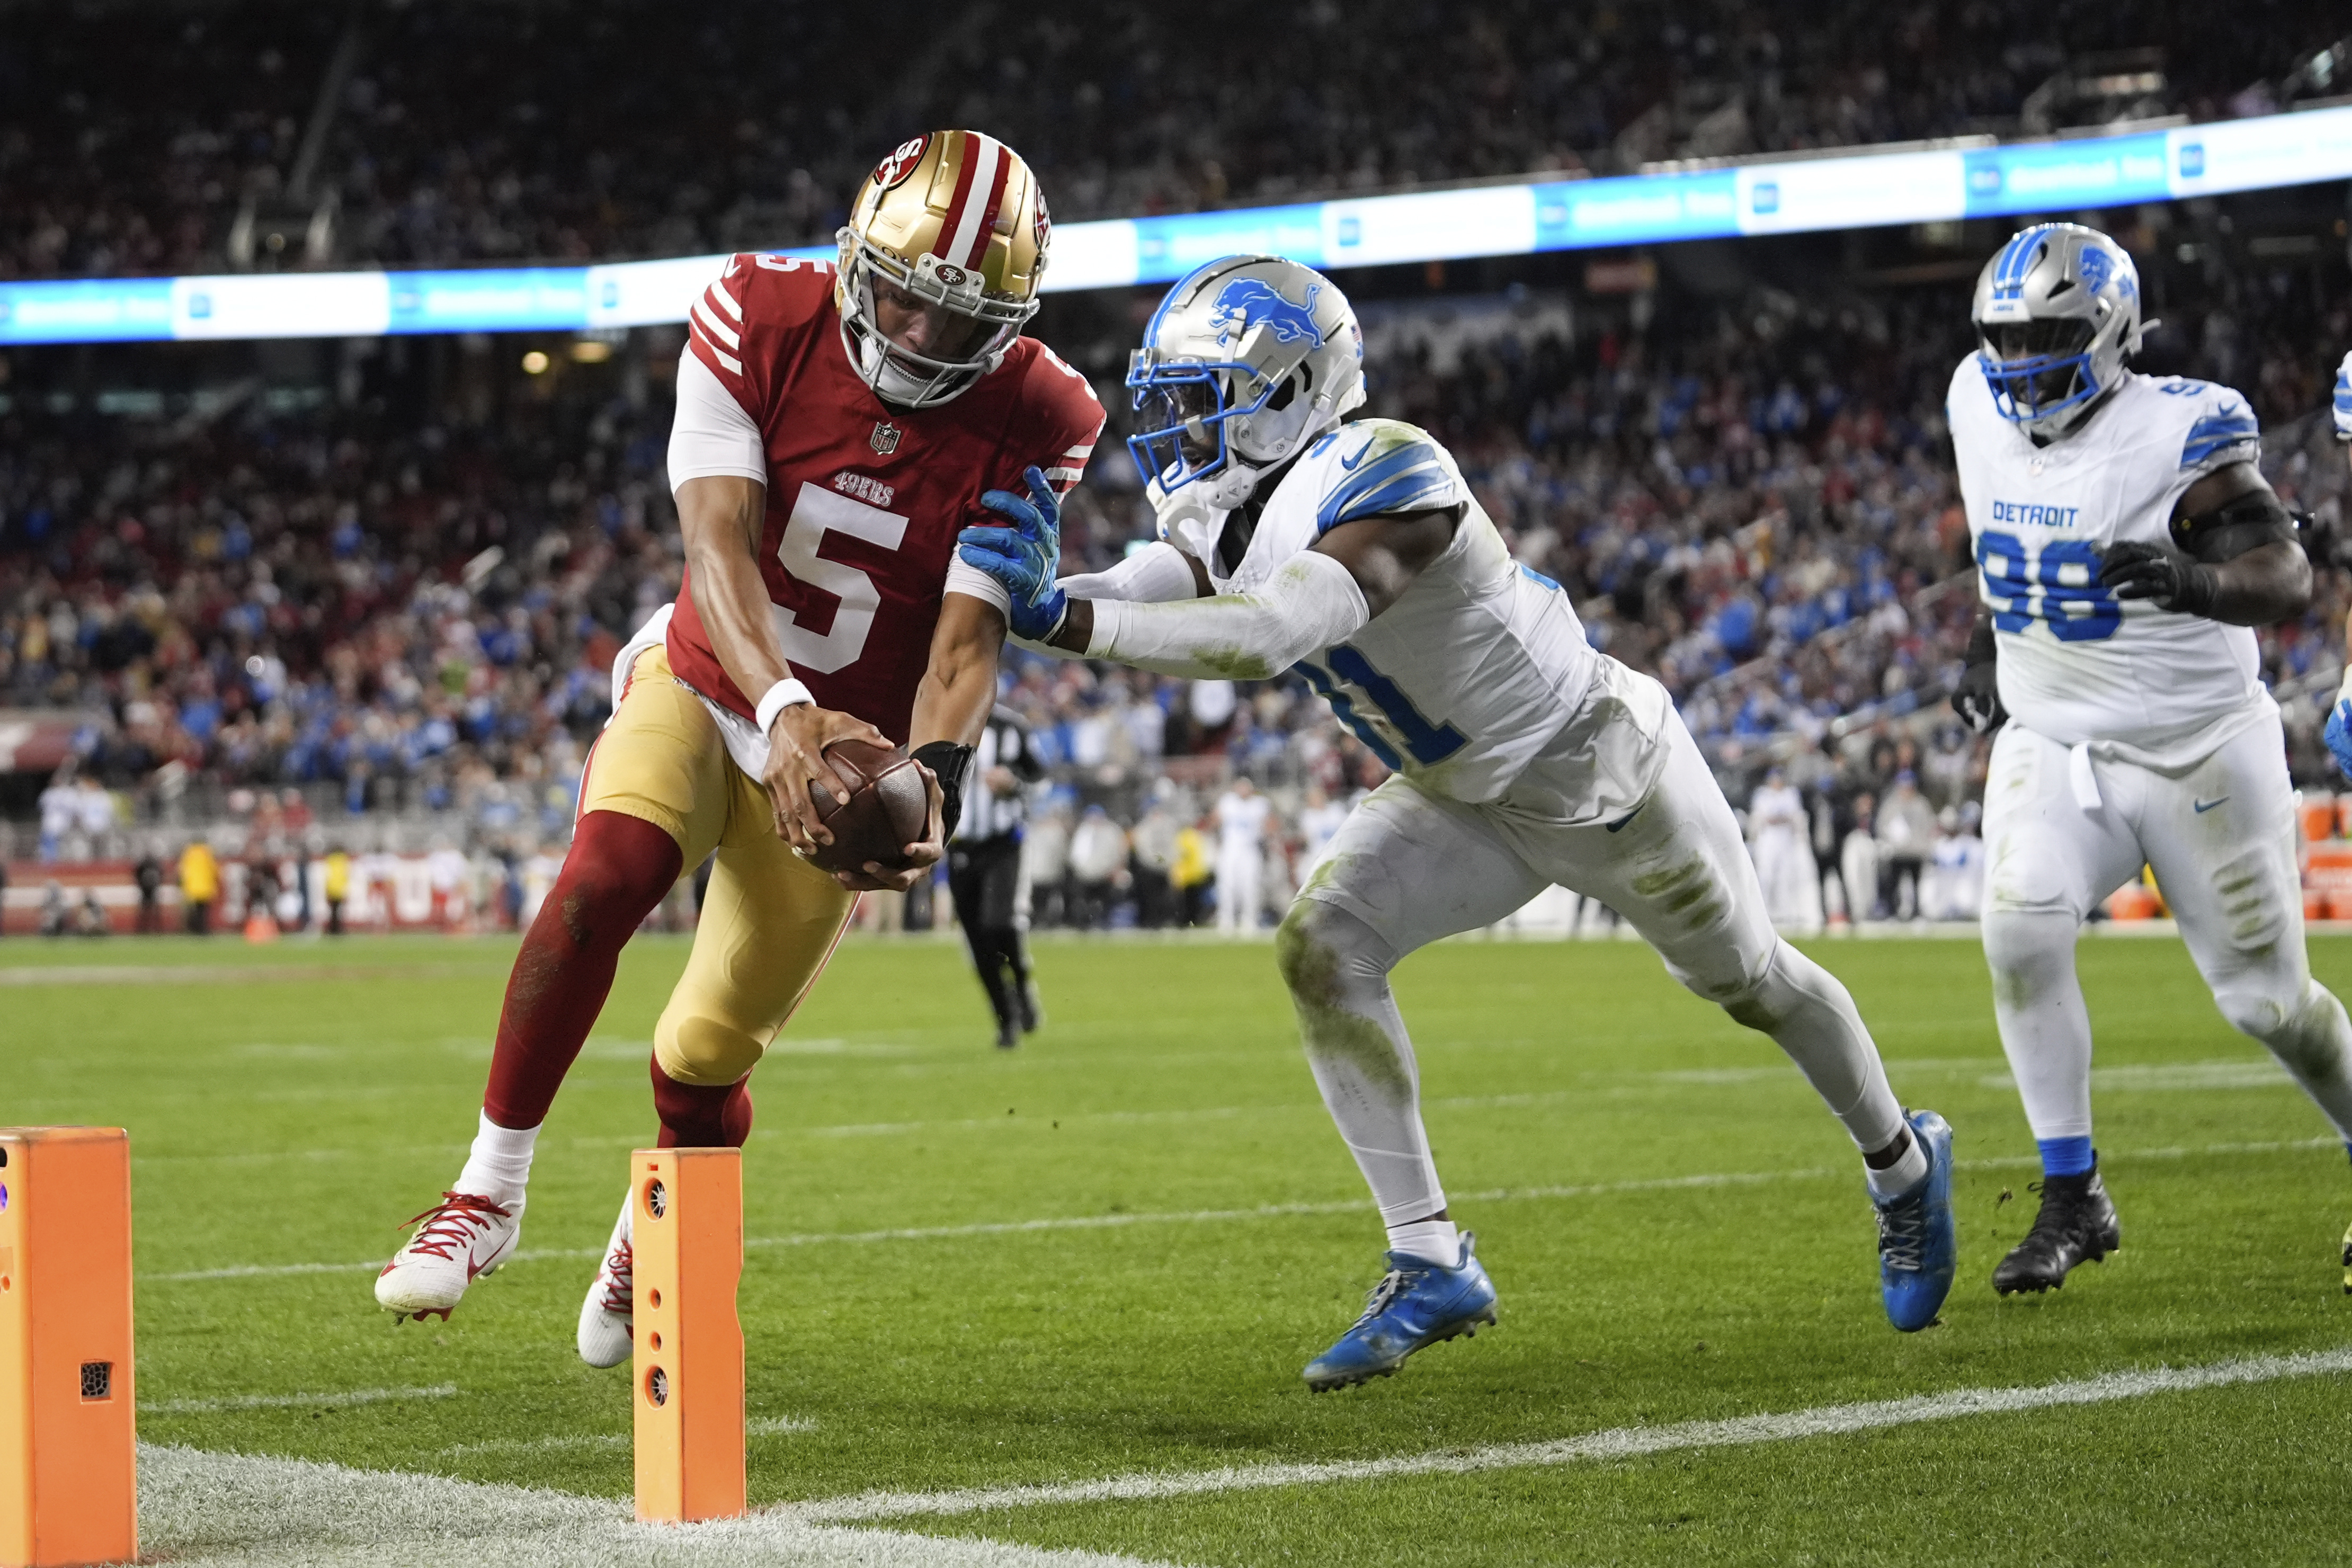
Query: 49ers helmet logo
{"points": [[900, 164], [1045, 230]]}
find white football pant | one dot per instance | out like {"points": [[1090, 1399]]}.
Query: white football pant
{"points": [[2062, 833], [1410, 866]]}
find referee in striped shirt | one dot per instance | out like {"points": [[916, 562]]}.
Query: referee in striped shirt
{"points": [[984, 873]]}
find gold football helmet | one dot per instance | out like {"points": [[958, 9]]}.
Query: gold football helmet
{"points": [[951, 230]]}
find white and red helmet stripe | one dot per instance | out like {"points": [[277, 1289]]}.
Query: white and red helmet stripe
{"points": [[979, 192]]}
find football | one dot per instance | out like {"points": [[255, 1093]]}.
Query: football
{"points": [[887, 808]]}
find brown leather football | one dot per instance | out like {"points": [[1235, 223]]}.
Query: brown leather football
{"points": [[888, 808]]}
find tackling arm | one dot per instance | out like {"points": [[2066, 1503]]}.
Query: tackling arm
{"points": [[1153, 575], [1353, 573]]}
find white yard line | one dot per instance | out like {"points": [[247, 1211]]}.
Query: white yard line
{"points": [[1266, 1211], [1619, 1443], [304, 1401], [229, 1511]]}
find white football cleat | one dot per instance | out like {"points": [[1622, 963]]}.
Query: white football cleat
{"points": [[607, 1315], [457, 1238]]}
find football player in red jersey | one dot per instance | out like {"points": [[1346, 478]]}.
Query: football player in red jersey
{"points": [[837, 426]]}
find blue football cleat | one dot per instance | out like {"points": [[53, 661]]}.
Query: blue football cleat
{"points": [[1917, 1246], [1416, 1303]]}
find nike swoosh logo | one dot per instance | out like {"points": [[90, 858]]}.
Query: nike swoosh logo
{"points": [[2205, 806], [1349, 463], [1629, 817]]}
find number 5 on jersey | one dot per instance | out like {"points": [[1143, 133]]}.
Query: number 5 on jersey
{"points": [[815, 513]]}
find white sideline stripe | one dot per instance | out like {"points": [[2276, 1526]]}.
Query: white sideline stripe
{"points": [[275, 1401], [199, 1509], [1619, 1443], [1263, 1211]]}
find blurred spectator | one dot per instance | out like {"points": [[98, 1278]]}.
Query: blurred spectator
{"points": [[60, 812], [1195, 872], [1046, 860], [1907, 831], [1954, 882], [200, 885], [335, 887], [1778, 841], [1858, 862], [1098, 864], [1318, 822], [1240, 814], [1153, 846]]}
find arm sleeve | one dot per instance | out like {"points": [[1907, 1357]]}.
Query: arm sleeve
{"points": [[1309, 602], [974, 583], [1153, 575], [2344, 399], [711, 434]]}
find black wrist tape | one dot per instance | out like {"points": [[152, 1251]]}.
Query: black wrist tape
{"points": [[948, 761]]}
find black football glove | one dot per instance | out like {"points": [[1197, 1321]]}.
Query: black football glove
{"points": [[2161, 574], [1977, 698]]}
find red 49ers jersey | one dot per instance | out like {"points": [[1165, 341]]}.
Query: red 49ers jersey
{"points": [[863, 502]]}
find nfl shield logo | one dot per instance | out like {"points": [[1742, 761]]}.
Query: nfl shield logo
{"points": [[885, 438]]}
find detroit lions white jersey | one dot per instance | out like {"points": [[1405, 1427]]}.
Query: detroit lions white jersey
{"points": [[2078, 665], [1479, 662]]}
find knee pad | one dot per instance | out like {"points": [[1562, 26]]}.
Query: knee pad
{"points": [[2027, 951], [700, 1116], [2300, 1029], [1784, 981], [1325, 953], [695, 1048]]}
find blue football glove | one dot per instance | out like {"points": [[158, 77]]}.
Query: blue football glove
{"points": [[1022, 557], [2338, 736]]}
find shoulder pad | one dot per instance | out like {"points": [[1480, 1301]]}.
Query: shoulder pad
{"points": [[1382, 466], [2224, 423]]}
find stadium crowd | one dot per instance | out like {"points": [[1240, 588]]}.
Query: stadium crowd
{"points": [[1751, 503], [436, 133]]}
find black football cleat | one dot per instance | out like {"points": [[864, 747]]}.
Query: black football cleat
{"points": [[2078, 1223], [2347, 1262], [1008, 1035]]}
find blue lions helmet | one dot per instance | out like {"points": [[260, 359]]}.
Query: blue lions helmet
{"points": [[1246, 361], [2057, 314]]}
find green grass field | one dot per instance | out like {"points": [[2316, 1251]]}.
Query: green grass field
{"points": [[1204, 1234]]}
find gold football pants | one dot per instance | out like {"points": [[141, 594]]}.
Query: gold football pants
{"points": [[770, 919]]}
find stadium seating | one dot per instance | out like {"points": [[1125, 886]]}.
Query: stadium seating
{"points": [[265, 133]]}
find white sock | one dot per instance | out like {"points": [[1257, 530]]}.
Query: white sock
{"points": [[1432, 1240], [1901, 1176], [499, 1164]]}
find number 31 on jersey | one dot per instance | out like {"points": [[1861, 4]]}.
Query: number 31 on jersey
{"points": [[2057, 584]]}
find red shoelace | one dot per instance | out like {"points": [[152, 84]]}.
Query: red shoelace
{"points": [[620, 1290], [451, 1223]]}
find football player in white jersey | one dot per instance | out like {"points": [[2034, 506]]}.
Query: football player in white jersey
{"points": [[2125, 543], [1355, 552]]}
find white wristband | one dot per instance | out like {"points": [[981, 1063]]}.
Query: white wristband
{"points": [[785, 693]]}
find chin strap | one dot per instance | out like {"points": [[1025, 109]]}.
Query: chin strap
{"points": [[948, 761]]}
